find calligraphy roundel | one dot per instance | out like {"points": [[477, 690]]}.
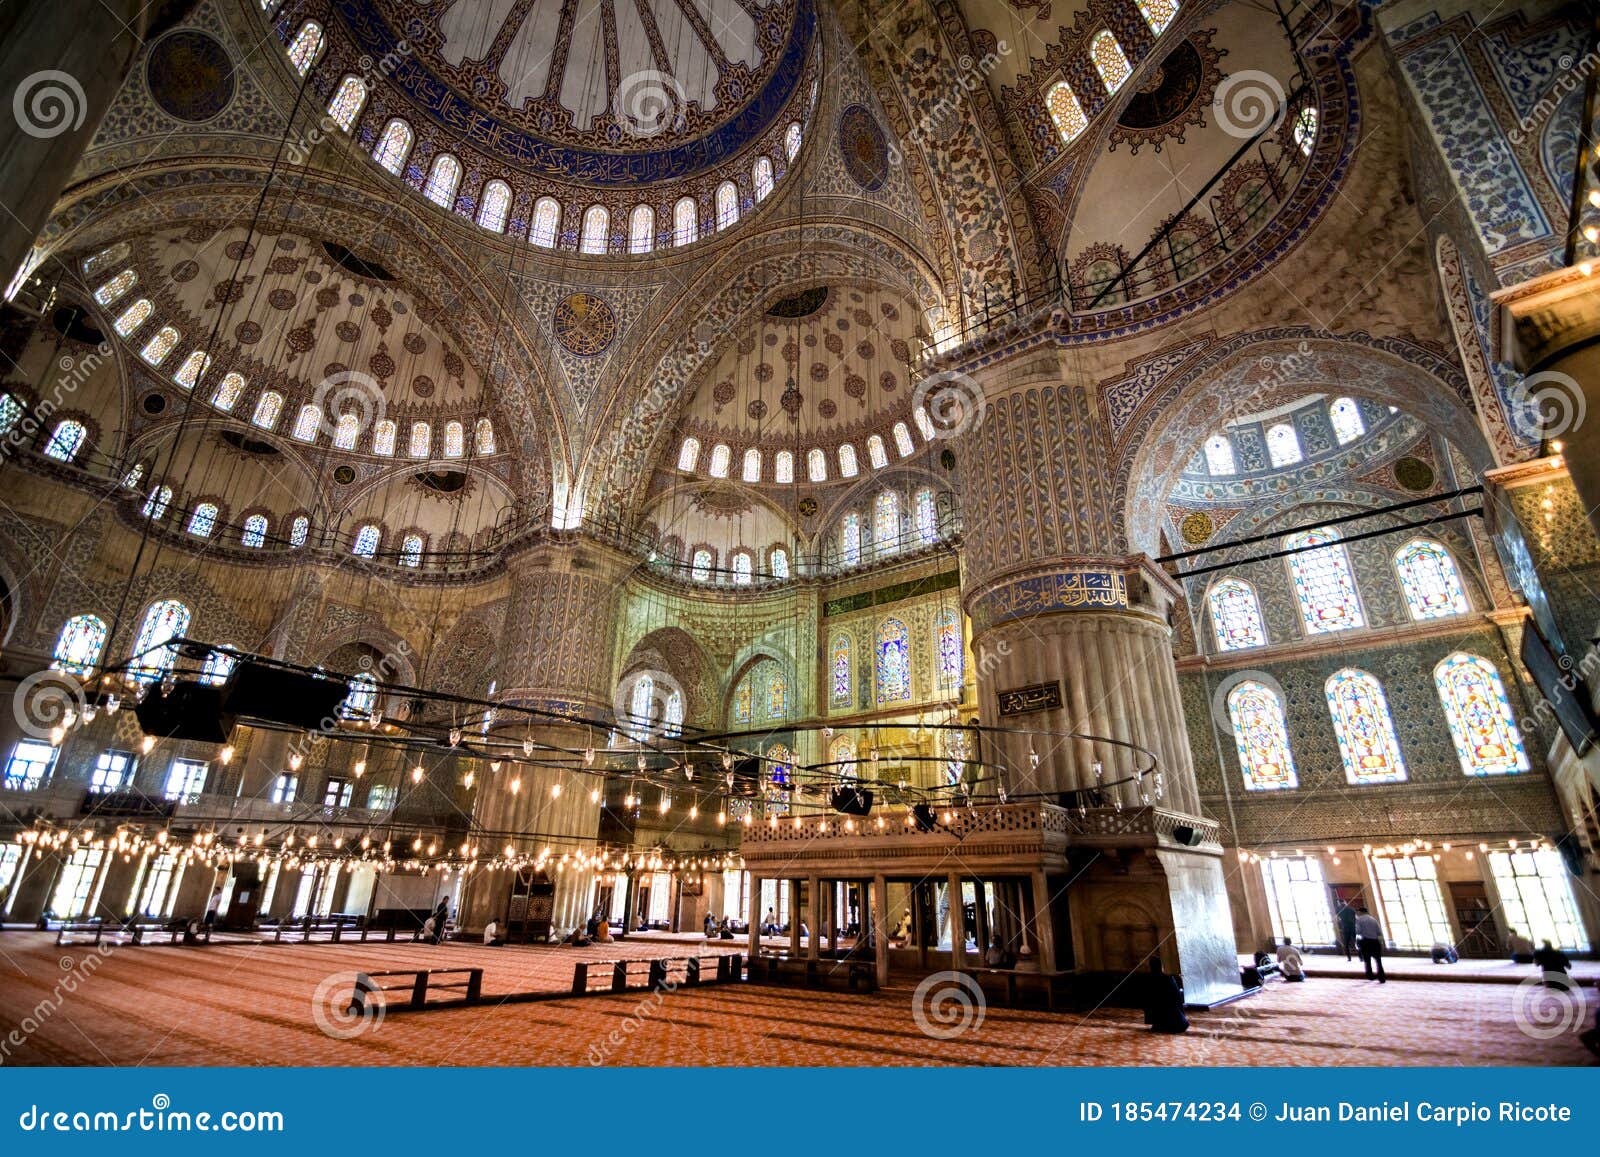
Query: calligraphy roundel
{"points": [[863, 148], [190, 75], [584, 324]]}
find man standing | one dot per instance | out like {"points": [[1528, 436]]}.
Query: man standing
{"points": [[1347, 927], [1369, 941]]}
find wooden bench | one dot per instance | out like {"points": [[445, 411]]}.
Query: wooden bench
{"points": [[856, 974], [73, 928], [647, 974], [419, 982], [1016, 979], [308, 926]]}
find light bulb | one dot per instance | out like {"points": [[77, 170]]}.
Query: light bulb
{"points": [[527, 745], [494, 764], [467, 780], [360, 768], [455, 737], [416, 774], [516, 786], [555, 791], [295, 760], [225, 756], [594, 795], [147, 744], [588, 756]]}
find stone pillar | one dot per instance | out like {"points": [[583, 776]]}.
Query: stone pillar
{"points": [[814, 940], [880, 928]]}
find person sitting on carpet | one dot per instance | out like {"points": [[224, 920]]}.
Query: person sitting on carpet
{"points": [[1163, 1007], [1290, 963], [1443, 953], [492, 936]]}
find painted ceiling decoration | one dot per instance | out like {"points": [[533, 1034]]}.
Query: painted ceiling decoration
{"points": [[190, 75], [1174, 96]]}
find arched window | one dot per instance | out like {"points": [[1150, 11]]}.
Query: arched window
{"points": [[455, 437], [894, 662], [305, 425], [1323, 583], [761, 178], [133, 317], [483, 436], [743, 567], [1236, 616], [1109, 60], [924, 423], [383, 435], [152, 658], [947, 645], [1283, 445], [886, 522], [902, 440], [346, 430], [840, 669], [727, 205], [366, 544], [596, 226], [1305, 129], [155, 350], [546, 222], [347, 102], [155, 506], [193, 369], [298, 529], [700, 567], [443, 177], [228, 391], [204, 520], [1157, 13], [10, 412], [496, 207], [743, 697], [134, 476], [847, 461], [306, 46], [689, 454], [876, 453], [778, 563], [783, 467], [642, 229], [1481, 723], [1361, 720], [1345, 416], [751, 470], [79, 644], [394, 146], [66, 440], [672, 715], [850, 539], [1429, 579], [1256, 713], [780, 766], [777, 692], [254, 533], [926, 516], [411, 550], [817, 465], [685, 223], [721, 458], [268, 406], [421, 443], [843, 757], [217, 667], [362, 698], [1219, 455], [791, 140], [1065, 111], [114, 289]]}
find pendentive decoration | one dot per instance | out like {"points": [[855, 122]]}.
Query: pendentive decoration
{"points": [[584, 324], [1174, 98], [190, 76], [863, 148]]}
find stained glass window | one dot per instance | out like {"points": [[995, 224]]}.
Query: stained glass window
{"points": [[957, 750], [742, 702], [886, 522], [116, 287], [1256, 713], [1361, 720], [1157, 13], [306, 423], [689, 454], [876, 453], [783, 467], [850, 539], [394, 146], [1305, 129], [847, 461], [672, 716], [268, 406], [228, 391], [443, 177], [1345, 416], [165, 620], [1236, 616], [217, 667], [346, 430], [777, 693], [927, 516], [791, 140], [306, 47], [685, 222], [347, 101], [924, 423], [1283, 445], [721, 457], [155, 506], [1429, 579], [455, 436], [1065, 111], [1323, 583], [361, 700], [778, 563], [483, 435], [1481, 722], [66, 440], [192, 370], [79, 644], [421, 440], [383, 435], [1219, 455], [743, 567], [761, 177], [255, 531], [366, 544], [751, 470], [546, 222], [10, 412], [894, 662], [700, 567], [780, 765], [204, 520], [133, 317], [298, 530], [843, 758], [839, 661], [1109, 60], [947, 643], [157, 349], [596, 230], [411, 550], [496, 207], [642, 229], [131, 480], [902, 440], [817, 465]]}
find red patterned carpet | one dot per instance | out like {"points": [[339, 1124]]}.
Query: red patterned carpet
{"points": [[254, 1004]]}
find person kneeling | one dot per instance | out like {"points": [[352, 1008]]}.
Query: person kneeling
{"points": [[1290, 963], [1163, 1009]]}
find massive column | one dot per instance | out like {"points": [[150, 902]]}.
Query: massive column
{"points": [[1070, 634]]}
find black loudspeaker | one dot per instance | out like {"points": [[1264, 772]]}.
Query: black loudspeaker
{"points": [[190, 711], [1187, 836], [308, 702], [922, 813], [852, 801]]}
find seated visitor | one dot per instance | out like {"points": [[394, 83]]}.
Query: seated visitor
{"points": [[1443, 953], [1554, 964], [493, 936], [602, 931], [711, 925], [725, 930], [579, 937], [1290, 962], [1163, 1007], [594, 925]]}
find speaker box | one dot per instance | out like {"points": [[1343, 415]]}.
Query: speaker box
{"points": [[281, 696], [190, 711], [922, 813], [1187, 836], [852, 801]]}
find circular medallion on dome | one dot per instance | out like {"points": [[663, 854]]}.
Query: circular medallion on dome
{"points": [[1413, 474], [584, 324], [1175, 96], [1196, 527], [190, 75], [863, 148]]}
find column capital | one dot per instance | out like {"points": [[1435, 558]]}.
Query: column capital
{"points": [[1072, 583]]}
